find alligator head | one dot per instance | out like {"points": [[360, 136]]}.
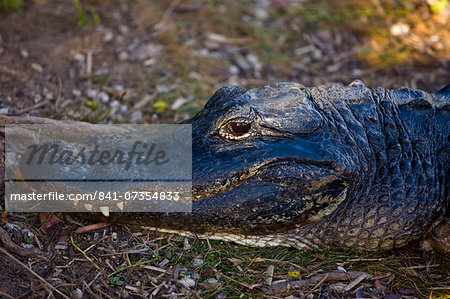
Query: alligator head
{"points": [[267, 160]]}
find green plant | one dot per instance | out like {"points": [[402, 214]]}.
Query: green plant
{"points": [[438, 6], [115, 281], [90, 17], [27, 238], [11, 5]]}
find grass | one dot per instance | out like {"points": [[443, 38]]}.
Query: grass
{"points": [[224, 259], [11, 5], [220, 268], [86, 16]]}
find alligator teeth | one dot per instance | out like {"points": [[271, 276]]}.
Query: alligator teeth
{"points": [[105, 211], [75, 202], [88, 207], [120, 205]]}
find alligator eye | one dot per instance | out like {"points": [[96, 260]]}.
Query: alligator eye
{"points": [[236, 130]]}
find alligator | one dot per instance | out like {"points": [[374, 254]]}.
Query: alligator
{"points": [[315, 167]]}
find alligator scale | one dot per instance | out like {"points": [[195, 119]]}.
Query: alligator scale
{"points": [[340, 166]]}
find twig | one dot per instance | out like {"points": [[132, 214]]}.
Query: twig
{"points": [[191, 291], [269, 275], [95, 278], [261, 259], [140, 251], [332, 276], [86, 256], [317, 285], [244, 284], [189, 8], [89, 66], [3, 251], [34, 107], [144, 102], [366, 260], [142, 265], [161, 25], [6, 295], [176, 272], [420, 267], [74, 222], [158, 288], [11, 246], [4, 69], [91, 227], [355, 282], [58, 99], [207, 241], [153, 268]]}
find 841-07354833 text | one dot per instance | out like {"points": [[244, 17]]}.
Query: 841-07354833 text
{"points": [[128, 195]]}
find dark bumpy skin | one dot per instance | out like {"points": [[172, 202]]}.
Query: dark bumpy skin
{"points": [[315, 167]]}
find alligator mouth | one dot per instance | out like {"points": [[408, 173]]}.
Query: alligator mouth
{"points": [[313, 175]]}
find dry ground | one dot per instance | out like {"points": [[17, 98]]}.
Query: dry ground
{"points": [[157, 61]]}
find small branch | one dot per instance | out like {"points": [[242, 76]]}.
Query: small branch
{"points": [[89, 66], [6, 295], [91, 227], [161, 26], [58, 99], [34, 107], [355, 282], [331, 276], [11, 246], [317, 285]]}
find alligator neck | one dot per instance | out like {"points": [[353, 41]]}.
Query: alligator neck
{"points": [[441, 101], [401, 192]]}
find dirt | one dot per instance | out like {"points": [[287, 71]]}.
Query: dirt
{"points": [[158, 53]]}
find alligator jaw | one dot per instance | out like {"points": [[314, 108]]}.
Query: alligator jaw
{"points": [[233, 180], [286, 239]]}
